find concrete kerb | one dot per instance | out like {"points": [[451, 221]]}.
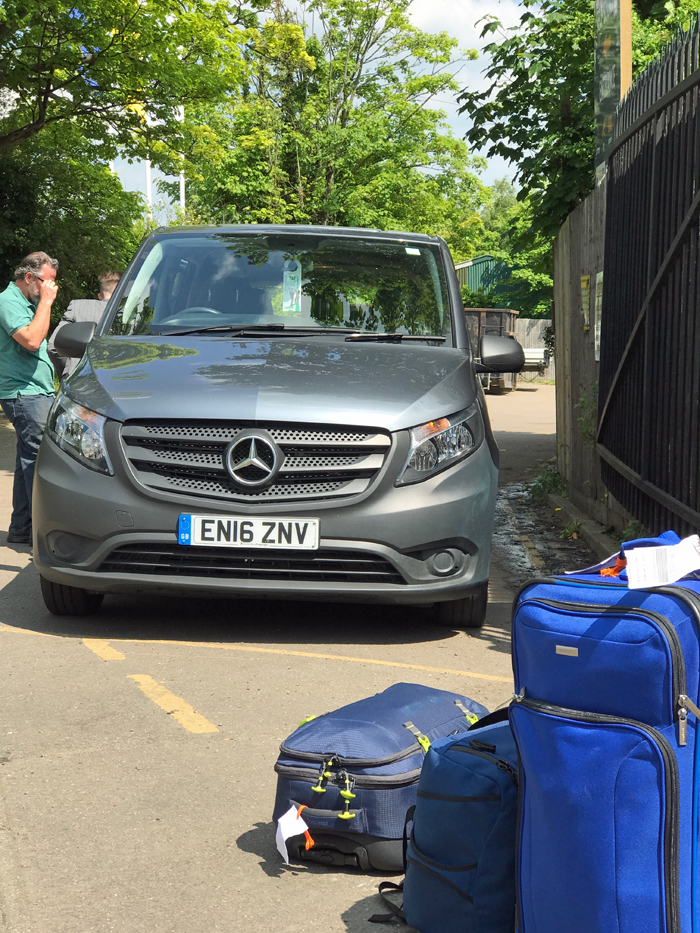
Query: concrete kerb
{"points": [[591, 532]]}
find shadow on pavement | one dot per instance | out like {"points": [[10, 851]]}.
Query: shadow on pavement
{"points": [[222, 620]]}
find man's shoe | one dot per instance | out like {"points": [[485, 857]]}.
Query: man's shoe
{"points": [[19, 537]]}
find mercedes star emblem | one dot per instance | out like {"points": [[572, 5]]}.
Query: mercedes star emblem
{"points": [[252, 460]]}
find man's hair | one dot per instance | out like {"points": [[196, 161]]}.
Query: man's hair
{"points": [[108, 281], [34, 263]]}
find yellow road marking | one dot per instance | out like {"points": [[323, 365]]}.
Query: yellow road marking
{"points": [[288, 653], [103, 649], [176, 707], [527, 543], [323, 657]]}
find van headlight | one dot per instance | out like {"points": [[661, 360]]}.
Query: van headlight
{"points": [[80, 432], [439, 444]]}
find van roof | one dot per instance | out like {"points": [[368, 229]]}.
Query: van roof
{"points": [[299, 228]]}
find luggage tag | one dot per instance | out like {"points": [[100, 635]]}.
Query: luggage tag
{"points": [[657, 566], [290, 824]]}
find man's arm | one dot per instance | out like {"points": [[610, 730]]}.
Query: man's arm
{"points": [[33, 335]]}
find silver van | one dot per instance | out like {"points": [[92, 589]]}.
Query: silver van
{"points": [[274, 412]]}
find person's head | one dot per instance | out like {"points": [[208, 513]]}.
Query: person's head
{"points": [[32, 271], [108, 282]]}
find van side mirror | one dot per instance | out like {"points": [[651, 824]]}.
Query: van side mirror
{"points": [[499, 355], [72, 339]]}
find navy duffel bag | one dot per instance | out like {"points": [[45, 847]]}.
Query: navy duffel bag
{"points": [[355, 772]]}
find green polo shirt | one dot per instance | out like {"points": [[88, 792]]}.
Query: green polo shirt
{"points": [[22, 372]]}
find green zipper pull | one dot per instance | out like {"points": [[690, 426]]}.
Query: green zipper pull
{"points": [[323, 775], [347, 795]]}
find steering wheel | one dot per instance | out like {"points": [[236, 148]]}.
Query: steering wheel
{"points": [[199, 310]]}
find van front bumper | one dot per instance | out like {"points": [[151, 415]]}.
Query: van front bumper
{"points": [[107, 534]]}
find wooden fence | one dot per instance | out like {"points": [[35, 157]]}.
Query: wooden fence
{"points": [[578, 284]]}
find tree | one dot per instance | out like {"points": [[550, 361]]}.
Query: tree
{"points": [[511, 237], [103, 65], [537, 111], [338, 128], [53, 197]]}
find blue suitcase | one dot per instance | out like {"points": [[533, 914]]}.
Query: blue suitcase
{"points": [[355, 771], [604, 719]]}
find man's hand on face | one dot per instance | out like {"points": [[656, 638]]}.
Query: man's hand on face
{"points": [[48, 291]]}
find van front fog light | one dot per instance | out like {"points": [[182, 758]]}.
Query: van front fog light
{"points": [[79, 432], [438, 444]]}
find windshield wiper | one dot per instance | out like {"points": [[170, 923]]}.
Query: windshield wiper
{"points": [[391, 338], [225, 328], [246, 330]]}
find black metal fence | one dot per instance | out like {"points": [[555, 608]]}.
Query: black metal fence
{"points": [[649, 399]]}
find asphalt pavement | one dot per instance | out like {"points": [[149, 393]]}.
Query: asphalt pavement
{"points": [[137, 747]]}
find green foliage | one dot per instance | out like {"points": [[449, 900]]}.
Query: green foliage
{"points": [[537, 111], [634, 530], [478, 298], [101, 65], [338, 128], [53, 197], [510, 236], [547, 480], [571, 530]]}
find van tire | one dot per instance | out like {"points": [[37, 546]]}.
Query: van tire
{"points": [[468, 612], [64, 600]]}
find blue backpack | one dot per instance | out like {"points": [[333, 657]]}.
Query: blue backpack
{"points": [[605, 719], [355, 772], [460, 871]]}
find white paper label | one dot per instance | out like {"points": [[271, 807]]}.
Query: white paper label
{"points": [[656, 566], [291, 291], [288, 825]]}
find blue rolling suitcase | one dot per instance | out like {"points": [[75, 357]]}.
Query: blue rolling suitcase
{"points": [[355, 772], [605, 722]]}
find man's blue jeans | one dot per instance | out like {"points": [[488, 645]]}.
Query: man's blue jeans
{"points": [[27, 414]]}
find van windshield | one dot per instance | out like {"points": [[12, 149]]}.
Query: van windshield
{"points": [[299, 281]]}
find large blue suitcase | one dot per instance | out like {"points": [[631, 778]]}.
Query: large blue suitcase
{"points": [[604, 718], [355, 771]]}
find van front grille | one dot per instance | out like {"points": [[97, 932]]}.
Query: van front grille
{"points": [[324, 565], [317, 462]]}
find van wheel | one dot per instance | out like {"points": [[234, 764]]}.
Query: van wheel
{"points": [[69, 600], [468, 612]]}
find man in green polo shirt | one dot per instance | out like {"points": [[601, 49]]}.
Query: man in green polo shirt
{"points": [[26, 375]]}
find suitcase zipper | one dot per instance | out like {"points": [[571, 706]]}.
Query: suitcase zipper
{"points": [[500, 763], [678, 673], [671, 823], [368, 781], [321, 757]]}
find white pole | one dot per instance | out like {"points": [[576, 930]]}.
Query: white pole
{"points": [[149, 196], [182, 174]]}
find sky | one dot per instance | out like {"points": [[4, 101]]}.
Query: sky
{"points": [[459, 18]]}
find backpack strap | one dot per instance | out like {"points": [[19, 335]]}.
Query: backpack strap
{"points": [[395, 910]]}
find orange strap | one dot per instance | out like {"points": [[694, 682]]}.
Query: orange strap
{"points": [[309, 841], [615, 571]]}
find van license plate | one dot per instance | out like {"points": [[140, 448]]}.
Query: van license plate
{"points": [[245, 532]]}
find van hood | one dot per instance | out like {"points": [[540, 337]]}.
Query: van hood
{"points": [[304, 379]]}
